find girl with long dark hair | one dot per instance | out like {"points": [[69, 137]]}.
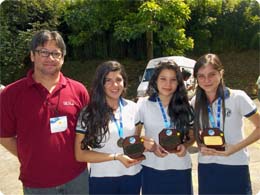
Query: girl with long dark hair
{"points": [[102, 125], [219, 112], [167, 108]]}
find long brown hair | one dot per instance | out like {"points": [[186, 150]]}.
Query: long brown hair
{"points": [[96, 117], [179, 109], [201, 120]]}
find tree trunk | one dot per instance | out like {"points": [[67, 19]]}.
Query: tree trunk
{"points": [[149, 45]]}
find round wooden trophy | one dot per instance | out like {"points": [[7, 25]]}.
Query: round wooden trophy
{"points": [[213, 138], [169, 139], [133, 147]]}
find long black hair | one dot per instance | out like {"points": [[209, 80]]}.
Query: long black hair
{"points": [[95, 118], [179, 110], [201, 120]]}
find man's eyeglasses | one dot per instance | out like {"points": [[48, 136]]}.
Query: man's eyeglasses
{"points": [[46, 53]]}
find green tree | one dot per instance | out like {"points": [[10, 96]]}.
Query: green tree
{"points": [[91, 23], [238, 26], [163, 19], [19, 20], [101, 26], [203, 22], [224, 25]]}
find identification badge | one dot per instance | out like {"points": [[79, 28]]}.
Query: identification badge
{"points": [[169, 139], [133, 147], [213, 138], [58, 124]]}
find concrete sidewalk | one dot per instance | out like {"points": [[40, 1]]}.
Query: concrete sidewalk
{"points": [[9, 168]]}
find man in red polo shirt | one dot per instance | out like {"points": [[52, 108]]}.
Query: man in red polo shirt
{"points": [[38, 119]]}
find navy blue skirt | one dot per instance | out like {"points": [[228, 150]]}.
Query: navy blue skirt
{"points": [[166, 181], [224, 179], [127, 184]]}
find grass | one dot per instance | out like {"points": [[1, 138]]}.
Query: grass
{"points": [[241, 71]]}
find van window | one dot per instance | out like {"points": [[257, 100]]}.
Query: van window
{"points": [[148, 74]]}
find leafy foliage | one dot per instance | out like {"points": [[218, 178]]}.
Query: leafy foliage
{"points": [[114, 25], [219, 26], [19, 20], [91, 23], [119, 29], [166, 19]]}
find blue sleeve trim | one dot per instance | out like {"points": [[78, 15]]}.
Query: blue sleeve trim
{"points": [[81, 131], [138, 123], [251, 113]]}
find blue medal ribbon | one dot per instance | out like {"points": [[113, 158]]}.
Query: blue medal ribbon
{"points": [[120, 125], [167, 123], [211, 118]]}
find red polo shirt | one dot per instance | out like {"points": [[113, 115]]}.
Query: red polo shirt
{"points": [[46, 158]]}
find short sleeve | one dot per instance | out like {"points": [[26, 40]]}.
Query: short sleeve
{"points": [[7, 116], [140, 109], [246, 105]]}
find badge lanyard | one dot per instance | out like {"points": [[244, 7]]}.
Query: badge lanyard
{"points": [[167, 124], [211, 118], [120, 125]]}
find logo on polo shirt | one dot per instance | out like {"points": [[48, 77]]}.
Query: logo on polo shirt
{"points": [[68, 103], [228, 112]]}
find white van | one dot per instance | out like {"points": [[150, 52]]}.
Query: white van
{"points": [[183, 62]]}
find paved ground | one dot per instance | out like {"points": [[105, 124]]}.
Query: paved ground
{"points": [[9, 169]]}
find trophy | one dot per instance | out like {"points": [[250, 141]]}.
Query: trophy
{"points": [[169, 139], [213, 138], [133, 147]]}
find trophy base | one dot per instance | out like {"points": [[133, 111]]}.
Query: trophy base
{"points": [[171, 149], [142, 157], [219, 148]]}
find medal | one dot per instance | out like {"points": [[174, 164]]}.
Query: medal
{"points": [[120, 142], [120, 125]]}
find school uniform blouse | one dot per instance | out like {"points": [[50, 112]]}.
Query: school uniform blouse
{"points": [[149, 114], [238, 105], [115, 168]]}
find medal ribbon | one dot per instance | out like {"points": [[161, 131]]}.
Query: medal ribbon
{"points": [[120, 125], [167, 124], [211, 118]]}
